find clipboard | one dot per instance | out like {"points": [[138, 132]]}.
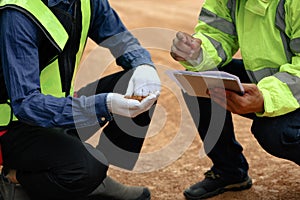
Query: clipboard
{"points": [[197, 83]]}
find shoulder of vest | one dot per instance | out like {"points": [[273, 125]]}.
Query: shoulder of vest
{"points": [[42, 16]]}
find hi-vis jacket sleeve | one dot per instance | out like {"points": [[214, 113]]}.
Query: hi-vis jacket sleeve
{"points": [[282, 90], [217, 31]]}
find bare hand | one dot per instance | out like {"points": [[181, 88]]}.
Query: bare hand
{"points": [[252, 101], [185, 47]]}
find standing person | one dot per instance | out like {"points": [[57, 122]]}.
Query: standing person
{"points": [[268, 36], [41, 44]]}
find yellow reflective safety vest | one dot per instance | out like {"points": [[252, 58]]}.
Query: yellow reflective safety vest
{"points": [[50, 79], [267, 32]]}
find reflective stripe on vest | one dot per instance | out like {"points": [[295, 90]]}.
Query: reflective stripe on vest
{"points": [[46, 20], [53, 29], [86, 18]]}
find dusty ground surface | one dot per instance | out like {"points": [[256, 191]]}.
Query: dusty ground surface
{"points": [[171, 161]]}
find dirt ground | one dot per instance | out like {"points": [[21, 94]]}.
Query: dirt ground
{"points": [[171, 159]]}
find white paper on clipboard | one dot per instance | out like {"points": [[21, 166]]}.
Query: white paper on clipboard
{"points": [[197, 83]]}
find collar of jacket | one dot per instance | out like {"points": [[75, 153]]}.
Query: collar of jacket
{"points": [[258, 7]]}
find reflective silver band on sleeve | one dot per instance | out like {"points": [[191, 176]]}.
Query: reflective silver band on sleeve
{"points": [[295, 45], [293, 83], [219, 48], [256, 76], [217, 22]]}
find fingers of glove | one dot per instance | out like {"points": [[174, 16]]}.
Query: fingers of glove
{"points": [[144, 105], [153, 88], [129, 108], [130, 88], [142, 92], [146, 89], [157, 93], [117, 104], [148, 101], [145, 81]]}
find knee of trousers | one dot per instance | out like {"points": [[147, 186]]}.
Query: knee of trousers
{"points": [[83, 177], [271, 138], [265, 136]]}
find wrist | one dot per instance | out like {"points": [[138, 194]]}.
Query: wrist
{"points": [[197, 60], [145, 66], [109, 102]]}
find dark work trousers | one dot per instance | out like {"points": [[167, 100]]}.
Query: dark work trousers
{"points": [[280, 136], [54, 163], [122, 138], [50, 163]]}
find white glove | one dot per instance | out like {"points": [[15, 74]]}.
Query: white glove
{"points": [[143, 82], [118, 104]]}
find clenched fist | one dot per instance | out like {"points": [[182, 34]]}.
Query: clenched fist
{"points": [[186, 48]]}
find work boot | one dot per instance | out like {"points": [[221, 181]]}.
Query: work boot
{"points": [[213, 184], [110, 189], [11, 191]]}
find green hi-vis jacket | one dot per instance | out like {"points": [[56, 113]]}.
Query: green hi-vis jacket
{"points": [[268, 35], [50, 76]]}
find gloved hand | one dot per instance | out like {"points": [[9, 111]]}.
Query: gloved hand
{"points": [[118, 104], [143, 82]]}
